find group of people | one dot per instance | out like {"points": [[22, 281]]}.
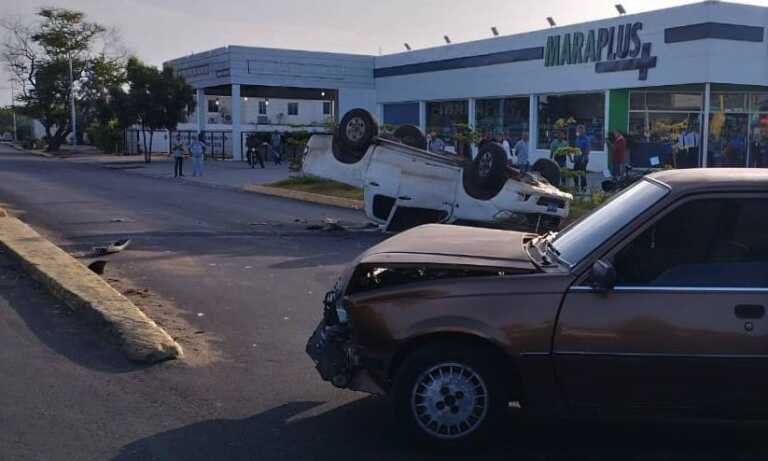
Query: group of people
{"points": [[195, 149], [274, 149]]}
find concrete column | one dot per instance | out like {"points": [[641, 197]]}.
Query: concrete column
{"points": [[202, 108], [423, 116], [705, 126], [237, 144], [471, 116], [471, 113], [380, 114], [533, 123]]}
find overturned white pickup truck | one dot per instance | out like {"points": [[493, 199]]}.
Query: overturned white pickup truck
{"points": [[406, 185]]}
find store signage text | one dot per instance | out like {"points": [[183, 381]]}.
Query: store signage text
{"points": [[612, 49]]}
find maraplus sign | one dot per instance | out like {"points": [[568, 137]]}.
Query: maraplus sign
{"points": [[621, 46]]}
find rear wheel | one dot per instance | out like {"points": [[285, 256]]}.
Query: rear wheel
{"points": [[485, 176], [449, 396], [357, 130], [411, 136], [548, 169]]}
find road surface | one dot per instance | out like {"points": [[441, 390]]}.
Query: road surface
{"points": [[239, 281]]}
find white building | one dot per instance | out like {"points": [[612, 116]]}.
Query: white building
{"points": [[689, 85]]}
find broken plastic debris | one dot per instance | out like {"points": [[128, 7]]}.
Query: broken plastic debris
{"points": [[200, 314]]}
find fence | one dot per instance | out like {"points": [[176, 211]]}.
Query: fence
{"points": [[219, 142]]}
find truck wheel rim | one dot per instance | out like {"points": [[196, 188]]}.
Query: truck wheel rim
{"points": [[355, 129], [486, 163], [449, 401]]}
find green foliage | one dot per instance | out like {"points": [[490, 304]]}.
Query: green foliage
{"points": [[321, 186], [45, 58], [567, 151], [107, 137], [156, 100]]}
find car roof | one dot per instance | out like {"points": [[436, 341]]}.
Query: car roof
{"points": [[710, 179]]}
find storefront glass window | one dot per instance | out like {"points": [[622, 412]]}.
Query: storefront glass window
{"points": [[443, 116], [401, 114], [508, 116], [728, 130], [758, 146], [566, 112], [665, 128]]}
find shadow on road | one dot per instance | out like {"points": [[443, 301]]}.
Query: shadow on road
{"points": [[55, 325], [365, 430]]}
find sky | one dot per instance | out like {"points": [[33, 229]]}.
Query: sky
{"points": [[159, 30]]}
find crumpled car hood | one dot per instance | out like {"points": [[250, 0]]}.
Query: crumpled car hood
{"points": [[458, 246]]}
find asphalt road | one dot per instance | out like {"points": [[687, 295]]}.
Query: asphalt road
{"points": [[239, 282]]}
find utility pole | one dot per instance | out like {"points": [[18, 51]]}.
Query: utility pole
{"points": [[72, 102], [13, 114]]}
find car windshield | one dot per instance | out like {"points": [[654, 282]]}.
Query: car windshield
{"points": [[580, 239]]}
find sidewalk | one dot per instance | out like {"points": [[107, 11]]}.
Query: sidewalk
{"points": [[226, 173]]}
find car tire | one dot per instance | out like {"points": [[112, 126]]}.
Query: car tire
{"points": [[411, 136], [346, 154], [448, 396], [357, 130], [548, 169], [485, 176]]}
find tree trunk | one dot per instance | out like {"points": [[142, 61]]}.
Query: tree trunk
{"points": [[144, 141], [149, 152]]}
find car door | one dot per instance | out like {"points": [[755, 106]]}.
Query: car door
{"points": [[426, 193], [684, 332]]}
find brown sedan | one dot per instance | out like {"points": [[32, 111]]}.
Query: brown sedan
{"points": [[652, 306]]}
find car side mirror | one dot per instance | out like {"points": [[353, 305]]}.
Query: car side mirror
{"points": [[603, 277]]}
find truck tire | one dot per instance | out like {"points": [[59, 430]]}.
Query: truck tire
{"points": [[411, 136], [485, 176], [357, 130], [450, 395], [548, 169], [345, 154]]}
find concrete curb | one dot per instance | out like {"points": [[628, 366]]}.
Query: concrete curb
{"points": [[140, 338], [307, 197], [31, 152]]}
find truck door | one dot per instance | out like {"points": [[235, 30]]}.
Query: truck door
{"points": [[426, 193]]}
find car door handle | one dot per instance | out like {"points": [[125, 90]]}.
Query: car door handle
{"points": [[404, 197], [749, 311]]}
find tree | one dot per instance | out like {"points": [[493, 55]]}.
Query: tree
{"points": [[156, 100], [44, 54]]}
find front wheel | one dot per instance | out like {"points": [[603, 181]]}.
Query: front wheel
{"points": [[449, 396]]}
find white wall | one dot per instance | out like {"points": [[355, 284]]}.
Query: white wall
{"points": [[697, 61]]}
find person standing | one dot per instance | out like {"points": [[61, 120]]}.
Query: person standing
{"points": [[436, 144], [556, 144], [581, 161], [521, 152], [277, 143], [178, 152], [197, 150], [618, 147], [254, 151], [507, 146]]}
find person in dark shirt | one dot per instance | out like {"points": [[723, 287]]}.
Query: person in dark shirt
{"points": [[581, 161]]}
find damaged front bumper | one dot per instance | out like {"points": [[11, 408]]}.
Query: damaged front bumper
{"points": [[337, 360]]}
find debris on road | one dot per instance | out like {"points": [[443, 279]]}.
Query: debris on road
{"points": [[115, 247]]}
